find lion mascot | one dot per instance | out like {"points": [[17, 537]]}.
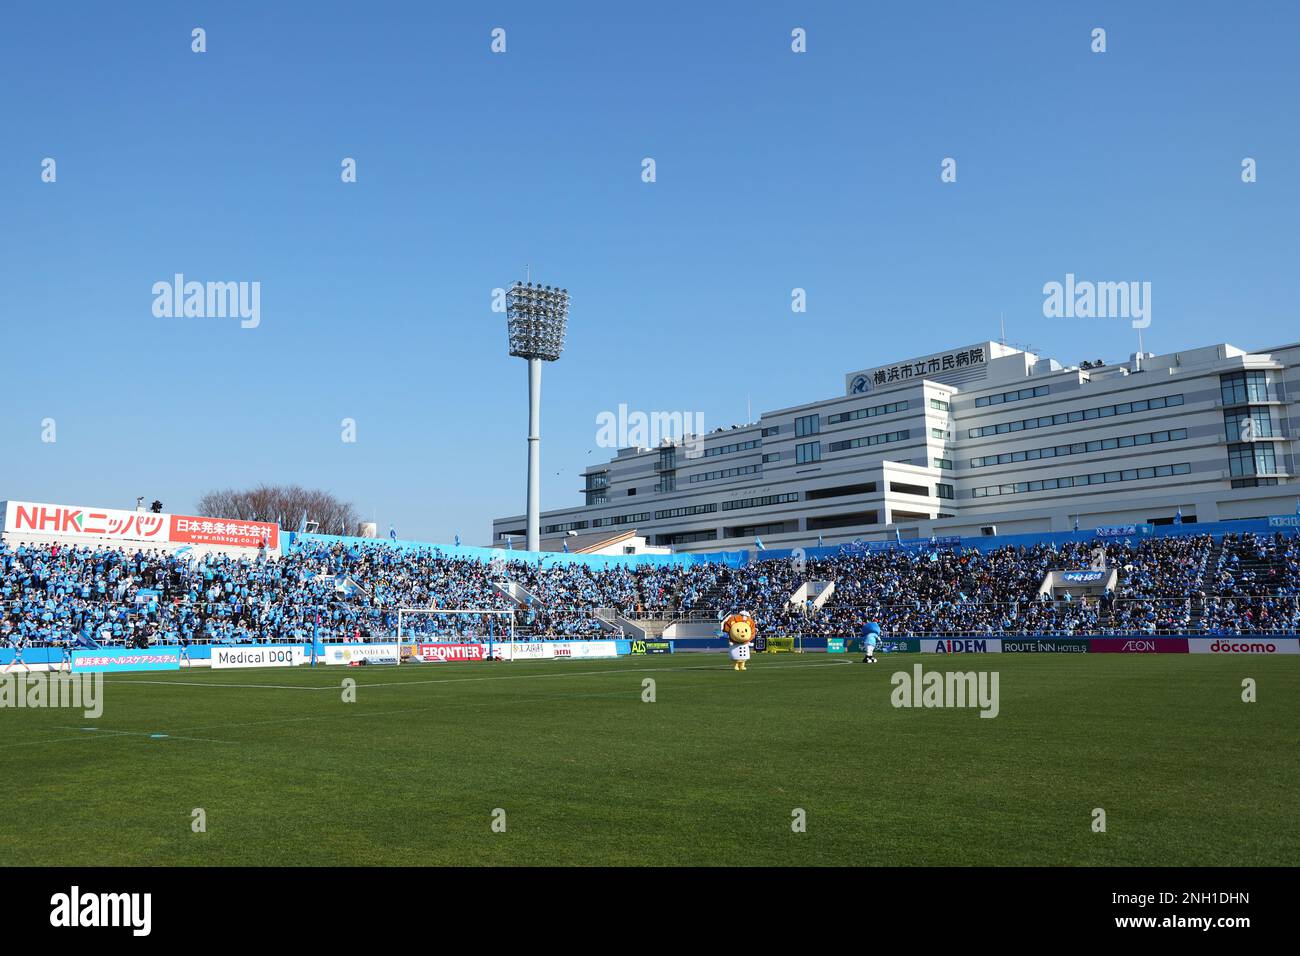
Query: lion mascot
{"points": [[740, 630]]}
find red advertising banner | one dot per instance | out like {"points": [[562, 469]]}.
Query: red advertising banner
{"points": [[452, 652], [224, 531], [1137, 645]]}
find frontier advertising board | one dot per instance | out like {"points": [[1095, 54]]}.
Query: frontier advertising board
{"points": [[438, 653]]}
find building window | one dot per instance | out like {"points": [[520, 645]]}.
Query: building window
{"points": [[868, 440], [763, 502], [567, 526], [1078, 481], [685, 537], [1252, 459], [771, 430], [938, 404], [1017, 396], [1064, 418], [943, 491], [771, 457], [685, 511], [872, 412], [1238, 388], [808, 451], [1236, 429], [944, 463], [726, 473], [807, 425], [734, 447], [1079, 447]]}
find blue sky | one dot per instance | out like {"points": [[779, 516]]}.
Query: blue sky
{"points": [[775, 170]]}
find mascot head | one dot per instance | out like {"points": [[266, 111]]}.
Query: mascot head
{"points": [[739, 628], [873, 627]]}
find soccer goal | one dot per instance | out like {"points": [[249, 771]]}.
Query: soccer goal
{"points": [[456, 634]]}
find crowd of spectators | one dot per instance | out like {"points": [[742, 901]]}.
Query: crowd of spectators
{"points": [[52, 593]]}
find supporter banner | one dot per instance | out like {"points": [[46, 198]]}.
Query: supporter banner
{"points": [[887, 645], [105, 660], [1243, 644], [26, 517], [1083, 577], [1050, 645], [226, 532], [961, 645], [433, 653], [1284, 521], [224, 657], [834, 645], [1122, 530], [1137, 645], [356, 653]]}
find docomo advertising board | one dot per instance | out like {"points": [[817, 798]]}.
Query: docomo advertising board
{"points": [[258, 656], [1244, 644], [25, 520]]}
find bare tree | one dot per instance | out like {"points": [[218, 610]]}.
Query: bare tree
{"points": [[283, 504]]}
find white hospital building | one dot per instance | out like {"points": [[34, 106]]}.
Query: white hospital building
{"points": [[982, 439]]}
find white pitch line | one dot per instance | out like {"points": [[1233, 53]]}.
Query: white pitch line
{"points": [[459, 680]]}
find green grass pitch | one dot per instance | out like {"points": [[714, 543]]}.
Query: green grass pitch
{"points": [[711, 772]]}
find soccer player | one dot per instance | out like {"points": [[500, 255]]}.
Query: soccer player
{"points": [[870, 636]]}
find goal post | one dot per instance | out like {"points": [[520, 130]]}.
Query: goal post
{"points": [[440, 627]]}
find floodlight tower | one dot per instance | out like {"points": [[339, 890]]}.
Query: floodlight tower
{"points": [[536, 317]]}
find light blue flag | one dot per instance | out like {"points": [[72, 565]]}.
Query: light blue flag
{"points": [[302, 525], [392, 532], [758, 543], [458, 540]]}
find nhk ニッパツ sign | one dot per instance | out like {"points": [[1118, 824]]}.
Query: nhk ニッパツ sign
{"points": [[109, 524]]}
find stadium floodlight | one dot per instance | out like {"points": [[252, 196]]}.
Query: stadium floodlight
{"points": [[537, 319]]}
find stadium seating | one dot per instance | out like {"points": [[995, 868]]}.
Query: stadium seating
{"points": [[1194, 583]]}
